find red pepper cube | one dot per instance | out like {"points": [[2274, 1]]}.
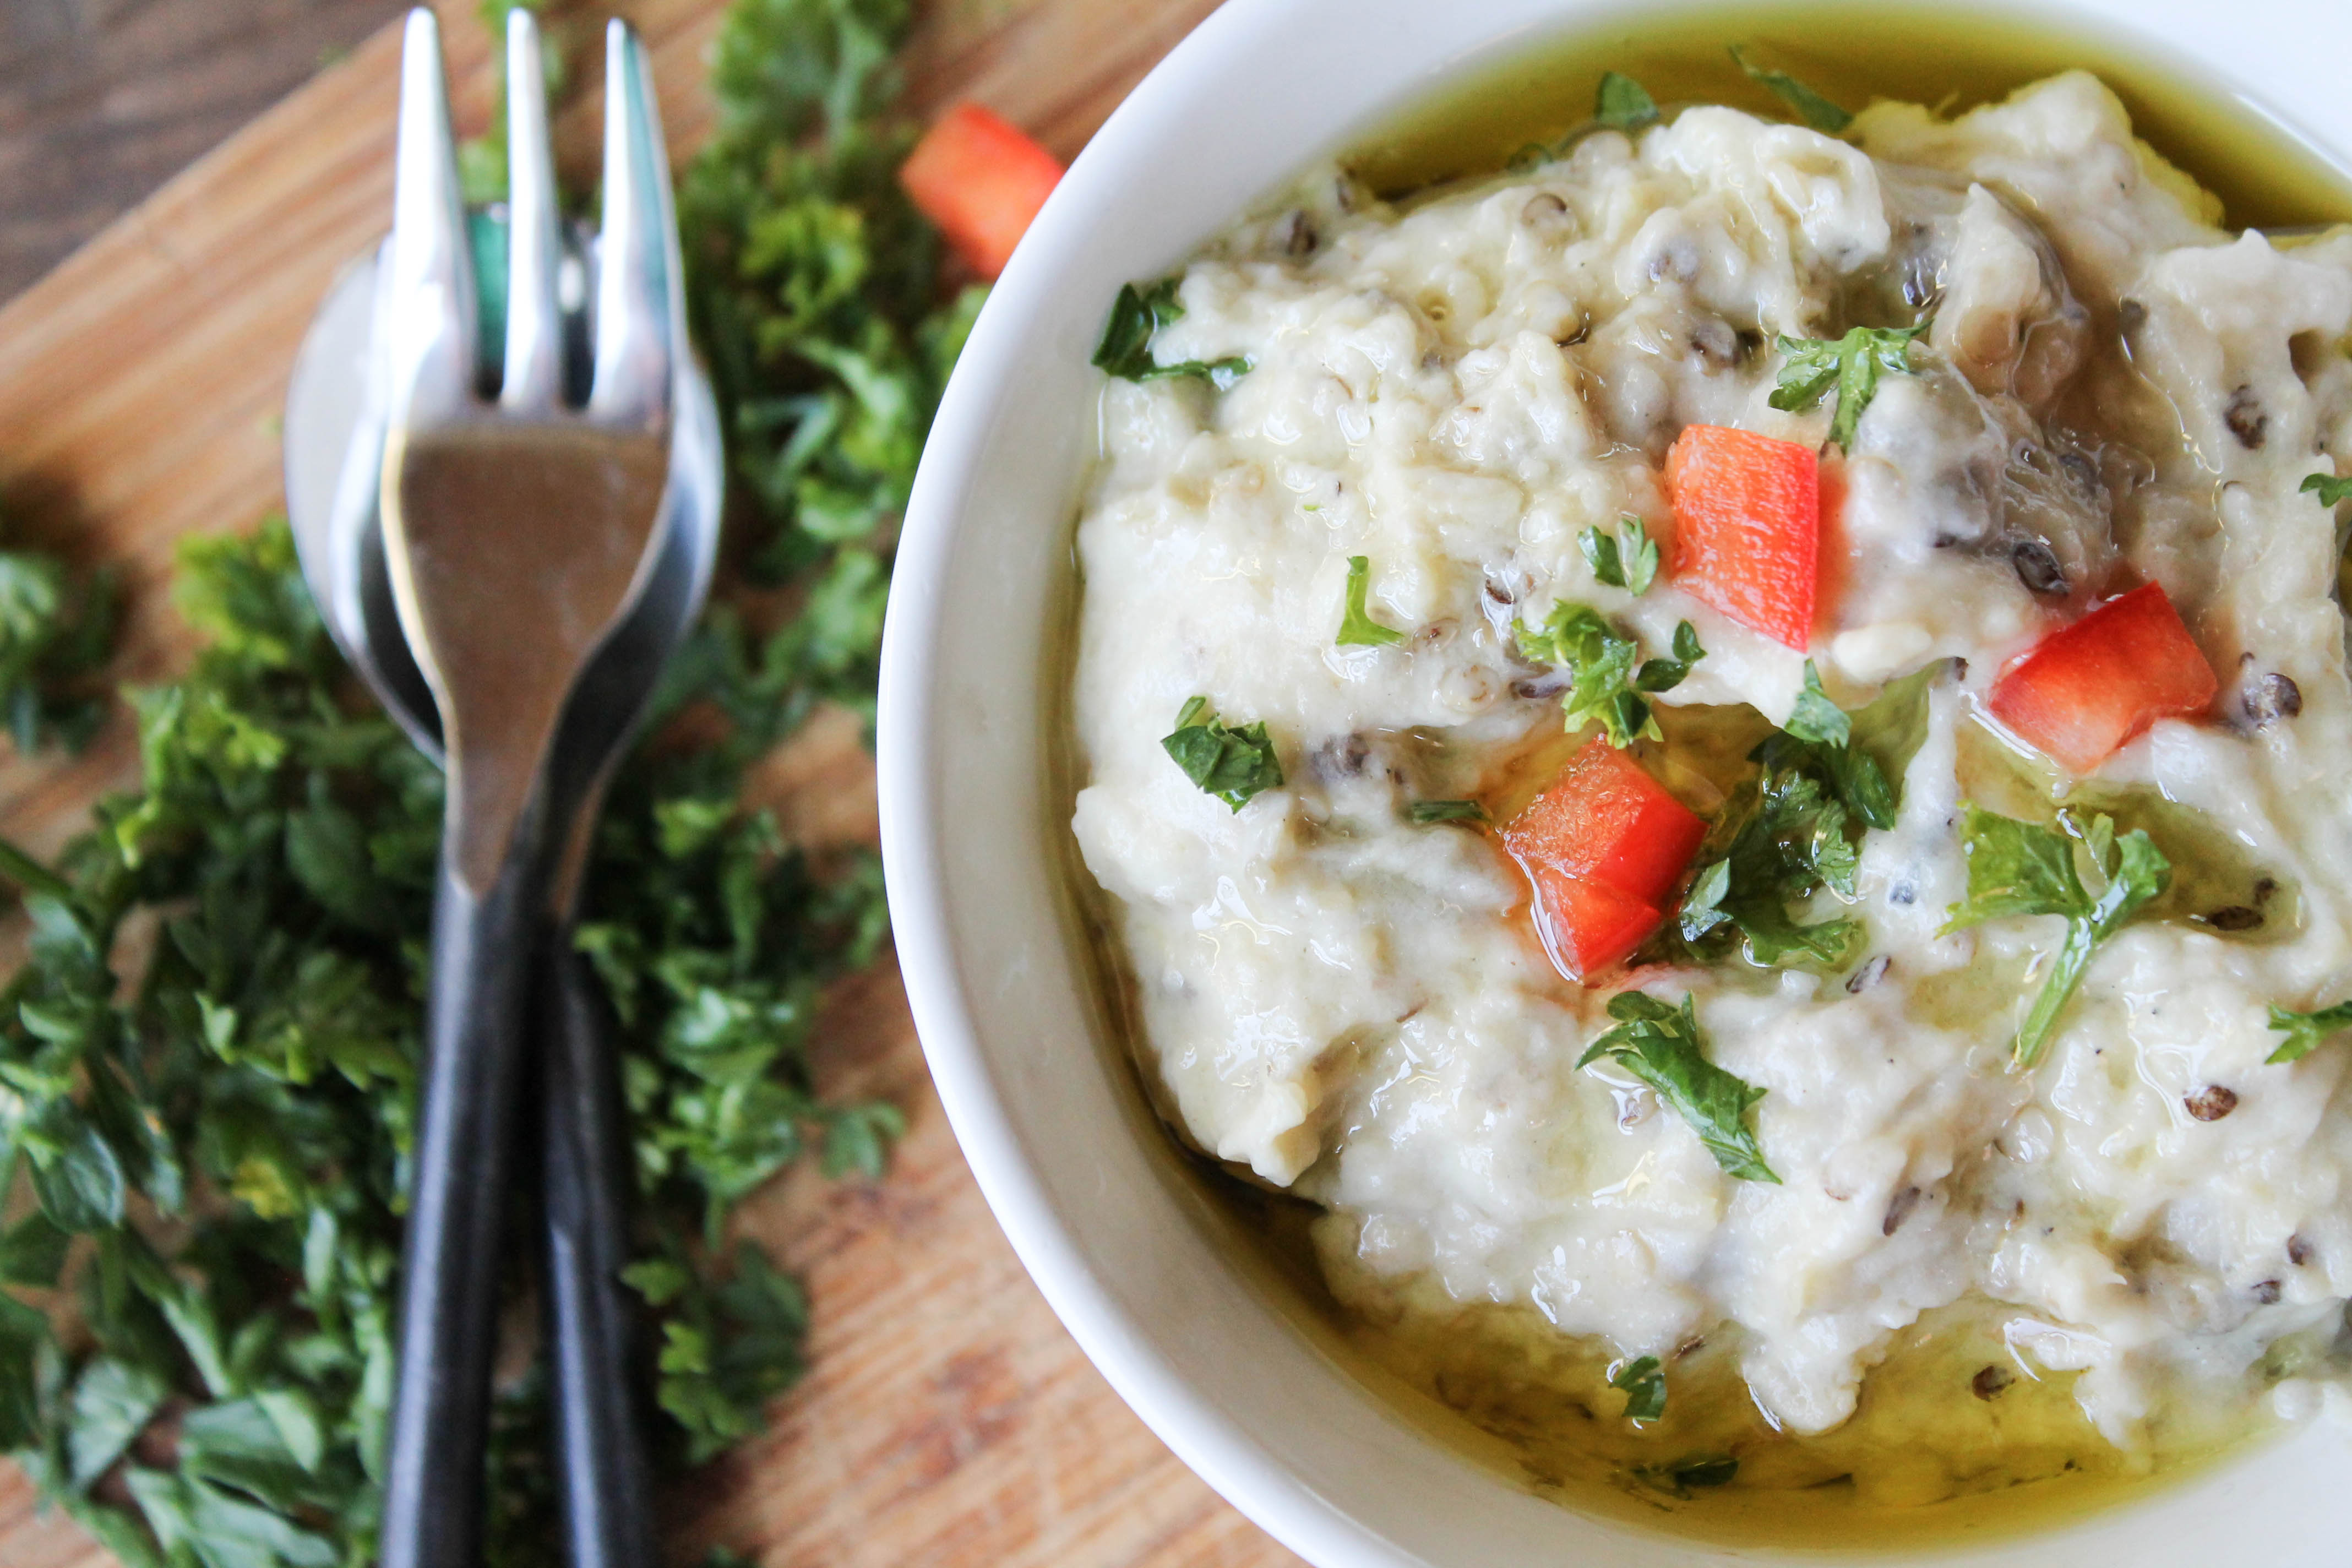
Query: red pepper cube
{"points": [[1606, 820], [981, 181], [1585, 927], [1747, 526], [1601, 847], [2084, 691]]}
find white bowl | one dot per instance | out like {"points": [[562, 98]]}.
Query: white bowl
{"points": [[1139, 1266]]}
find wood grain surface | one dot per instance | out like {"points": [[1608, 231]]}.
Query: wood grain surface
{"points": [[948, 1419], [102, 101]]}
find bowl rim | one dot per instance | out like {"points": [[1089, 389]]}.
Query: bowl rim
{"points": [[2295, 104]]}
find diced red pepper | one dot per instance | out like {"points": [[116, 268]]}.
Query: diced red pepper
{"points": [[1587, 928], [981, 181], [1606, 819], [2084, 691], [1603, 847], [1748, 519]]}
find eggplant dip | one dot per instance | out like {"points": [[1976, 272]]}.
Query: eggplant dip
{"points": [[1736, 736]]}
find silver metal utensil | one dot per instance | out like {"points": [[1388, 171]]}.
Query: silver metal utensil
{"points": [[333, 453], [538, 637]]}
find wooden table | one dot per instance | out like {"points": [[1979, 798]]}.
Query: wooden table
{"points": [[948, 1419]]}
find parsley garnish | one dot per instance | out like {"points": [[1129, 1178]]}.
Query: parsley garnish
{"points": [[1789, 841], [1232, 764], [55, 630], [1125, 347], [2023, 868], [1660, 1046], [1356, 627], [1817, 719], [2307, 1032], [1683, 1474], [1631, 566], [1851, 365], [1605, 682], [2331, 491], [1820, 787], [1623, 104], [1425, 812], [1644, 1384], [1811, 107], [1821, 734]]}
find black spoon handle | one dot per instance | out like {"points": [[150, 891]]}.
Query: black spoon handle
{"points": [[607, 1498], [465, 1129]]}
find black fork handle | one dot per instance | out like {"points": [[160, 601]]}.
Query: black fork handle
{"points": [[465, 1127], [607, 1495]]}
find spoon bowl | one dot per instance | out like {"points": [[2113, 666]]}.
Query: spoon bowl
{"points": [[334, 439]]}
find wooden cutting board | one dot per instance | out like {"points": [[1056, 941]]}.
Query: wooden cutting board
{"points": [[948, 1419]]}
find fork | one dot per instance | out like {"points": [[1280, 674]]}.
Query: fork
{"points": [[520, 530]]}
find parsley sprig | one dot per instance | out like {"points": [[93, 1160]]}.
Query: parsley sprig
{"points": [[1235, 764], [1644, 1383], [1356, 627], [1136, 317], [1798, 829], [2307, 1032], [1623, 104], [1684, 1477], [1627, 558], [1812, 107], [2331, 491], [1661, 1047], [1850, 366], [1607, 676], [56, 629], [2023, 868]]}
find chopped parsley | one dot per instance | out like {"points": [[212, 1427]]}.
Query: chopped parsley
{"points": [[1627, 558], [2331, 491], [1135, 317], [1811, 107], [1644, 1383], [1789, 839], [1684, 1475], [1820, 735], [1425, 812], [1660, 1046], [1623, 104], [1233, 764], [2023, 868], [1815, 718], [813, 285], [1850, 366], [2307, 1032], [1356, 627], [1824, 781], [220, 1135], [1607, 677], [55, 630]]}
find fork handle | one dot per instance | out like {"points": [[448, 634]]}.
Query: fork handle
{"points": [[434, 1483], [607, 1496]]}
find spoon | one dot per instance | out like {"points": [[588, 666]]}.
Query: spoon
{"points": [[335, 435]]}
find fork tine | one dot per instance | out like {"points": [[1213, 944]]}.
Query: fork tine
{"points": [[534, 349], [639, 310], [426, 320]]}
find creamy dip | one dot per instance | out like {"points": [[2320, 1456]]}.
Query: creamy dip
{"points": [[1352, 1005]]}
